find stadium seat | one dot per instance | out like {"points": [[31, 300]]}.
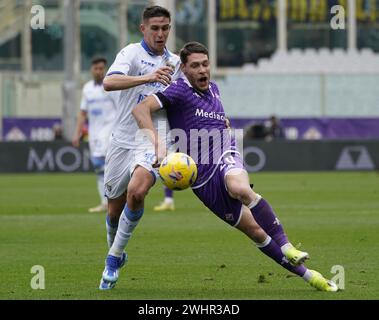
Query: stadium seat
{"points": [[324, 60]]}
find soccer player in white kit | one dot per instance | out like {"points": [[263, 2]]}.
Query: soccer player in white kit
{"points": [[140, 69], [99, 107]]}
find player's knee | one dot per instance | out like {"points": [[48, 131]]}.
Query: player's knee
{"points": [[239, 192], [137, 194]]}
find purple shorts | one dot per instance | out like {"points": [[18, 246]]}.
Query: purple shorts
{"points": [[215, 196]]}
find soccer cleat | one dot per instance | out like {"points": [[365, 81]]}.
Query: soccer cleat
{"points": [[164, 206], [124, 259], [99, 208], [320, 283], [106, 285], [296, 257], [111, 271]]}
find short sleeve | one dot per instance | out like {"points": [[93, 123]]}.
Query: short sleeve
{"points": [[123, 61], [173, 95]]}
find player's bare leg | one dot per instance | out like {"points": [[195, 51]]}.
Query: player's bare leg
{"points": [[250, 227], [141, 182], [263, 241], [237, 182], [139, 185], [239, 188], [115, 208]]}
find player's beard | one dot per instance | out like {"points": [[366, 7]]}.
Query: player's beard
{"points": [[99, 79]]}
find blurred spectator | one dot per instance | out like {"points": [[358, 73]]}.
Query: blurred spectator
{"points": [[255, 131], [274, 130], [269, 130], [58, 132]]}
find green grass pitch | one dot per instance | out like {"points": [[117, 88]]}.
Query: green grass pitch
{"points": [[189, 253]]}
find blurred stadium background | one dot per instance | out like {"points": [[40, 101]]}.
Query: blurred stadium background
{"points": [[272, 59], [277, 58]]}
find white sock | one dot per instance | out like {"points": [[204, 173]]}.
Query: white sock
{"points": [[100, 189], [168, 200], [307, 275], [255, 201], [124, 232], [111, 232], [286, 247], [264, 243]]}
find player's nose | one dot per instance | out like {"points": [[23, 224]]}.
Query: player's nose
{"points": [[202, 69]]}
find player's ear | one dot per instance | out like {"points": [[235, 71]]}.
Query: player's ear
{"points": [[182, 67], [142, 27]]}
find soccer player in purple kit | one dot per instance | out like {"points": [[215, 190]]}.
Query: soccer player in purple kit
{"points": [[193, 103]]}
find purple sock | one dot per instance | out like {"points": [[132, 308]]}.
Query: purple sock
{"points": [[273, 250], [168, 192], [266, 218]]}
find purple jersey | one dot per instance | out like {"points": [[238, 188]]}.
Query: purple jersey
{"points": [[201, 116]]}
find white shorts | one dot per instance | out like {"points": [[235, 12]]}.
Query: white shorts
{"points": [[120, 164]]}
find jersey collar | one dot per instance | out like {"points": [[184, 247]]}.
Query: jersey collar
{"points": [[185, 79], [166, 53]]}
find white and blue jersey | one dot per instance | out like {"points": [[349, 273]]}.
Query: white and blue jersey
{"points": [[137, 59], [101, 112]]}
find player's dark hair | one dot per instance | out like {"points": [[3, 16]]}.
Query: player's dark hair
{"points": [[155, 11], [192, 47], [98, 59]]}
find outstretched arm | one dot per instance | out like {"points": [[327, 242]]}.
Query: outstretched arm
{"points": [[115, 82], [142, 113]]}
